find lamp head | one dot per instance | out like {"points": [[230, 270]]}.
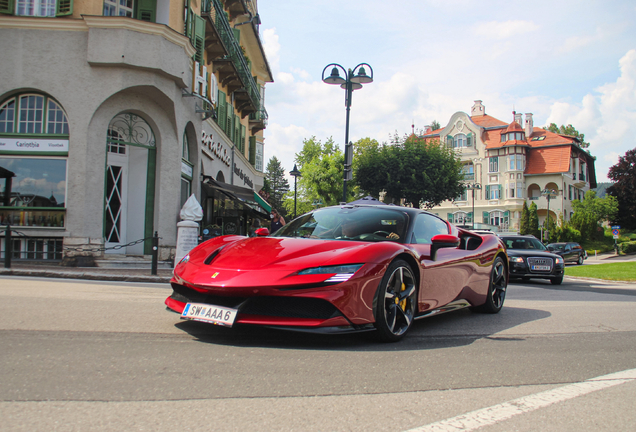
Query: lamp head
{"points": [[334, 78], [362, 77]]}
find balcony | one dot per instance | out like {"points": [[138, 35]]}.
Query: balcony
{"points": [[226, 56], [469, 176], [258, 120], [579, 181]]}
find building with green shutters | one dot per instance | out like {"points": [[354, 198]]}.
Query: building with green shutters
{"points": [[507, 164], [112, 113]]}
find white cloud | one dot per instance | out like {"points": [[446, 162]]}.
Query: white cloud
{"points": [[606, 116], [499, 30]]}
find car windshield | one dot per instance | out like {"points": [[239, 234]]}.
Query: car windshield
{"points": [[556, 246], [523, 243], [349, 223]]}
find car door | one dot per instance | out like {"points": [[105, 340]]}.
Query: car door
{"points": [[443, 279]]}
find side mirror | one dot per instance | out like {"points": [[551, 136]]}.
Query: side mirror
{"points": [[443, 241], [262, 232]]}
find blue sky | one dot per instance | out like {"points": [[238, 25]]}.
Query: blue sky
{"points": [[564, 61]]}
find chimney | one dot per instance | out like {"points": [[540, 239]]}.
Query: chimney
{"points": [[518, 118], [529, 125], [477, 109]]}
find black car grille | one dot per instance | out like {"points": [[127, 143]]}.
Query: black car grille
{"points": [[540, 265], [286, 307]]}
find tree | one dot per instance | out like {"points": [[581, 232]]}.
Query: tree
{"points": [[422, 172], [435, 125], [276, 183], [524, 224], [570, 131], [590, 212], [533, 220], [321, 166], [624, 190]]}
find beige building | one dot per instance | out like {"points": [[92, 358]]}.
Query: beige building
{"points": [[113, 113], [507, 164]]}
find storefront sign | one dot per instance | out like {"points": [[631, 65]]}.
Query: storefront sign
{"points": [[29, 145], [240, 174], [216, 148]]}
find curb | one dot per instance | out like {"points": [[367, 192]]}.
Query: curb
{"points": [[85, 276]]}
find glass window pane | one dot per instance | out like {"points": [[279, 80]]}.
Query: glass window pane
{"points": [[39, 182]]}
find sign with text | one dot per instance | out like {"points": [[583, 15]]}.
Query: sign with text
{"points": [[33, 145]]}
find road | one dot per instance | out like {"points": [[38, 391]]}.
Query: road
{"points": [[79, 355]]}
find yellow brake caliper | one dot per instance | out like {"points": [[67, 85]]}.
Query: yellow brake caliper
{"points": [[403, 302]]}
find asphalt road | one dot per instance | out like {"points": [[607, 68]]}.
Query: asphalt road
{"points": [[80, 355]]}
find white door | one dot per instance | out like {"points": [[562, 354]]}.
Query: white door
{"points": [[116, 202]]}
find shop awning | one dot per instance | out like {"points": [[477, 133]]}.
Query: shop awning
{"points": [[246, 196]]}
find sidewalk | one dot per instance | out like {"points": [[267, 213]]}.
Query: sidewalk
{"points": [[89, 273], [164, 275]]}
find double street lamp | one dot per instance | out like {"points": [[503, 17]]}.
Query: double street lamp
{"points": [[353, 80], [473, 187]]}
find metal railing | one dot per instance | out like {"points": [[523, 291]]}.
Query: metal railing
{"points": [[215, 9]]}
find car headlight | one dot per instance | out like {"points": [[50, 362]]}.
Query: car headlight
{"points": [[342, 272], [185, 259], [516, 259], [558, 260]]}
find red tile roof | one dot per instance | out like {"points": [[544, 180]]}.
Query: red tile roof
{"points": [[487, 121], [549, 160]]}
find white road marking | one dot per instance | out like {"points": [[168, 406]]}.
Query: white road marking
{"points": [[497, 413]]}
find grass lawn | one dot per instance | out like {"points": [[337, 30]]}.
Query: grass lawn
{"points": [[623, 271]]}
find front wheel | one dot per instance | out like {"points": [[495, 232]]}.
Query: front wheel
{"points": [[395, 303], [496, 289], [557, 281]]}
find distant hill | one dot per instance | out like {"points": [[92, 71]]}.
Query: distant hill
{"points": [[600, 189]]}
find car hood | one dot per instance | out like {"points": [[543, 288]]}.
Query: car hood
{"points": [[531, 253], [260, 261]]}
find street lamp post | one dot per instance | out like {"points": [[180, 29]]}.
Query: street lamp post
{"points": [[473, 187], [548, 193], [296, 174], [354, 78]]}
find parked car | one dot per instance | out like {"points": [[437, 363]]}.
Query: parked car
{"points": [[570, 251], [345, 268], [529, 258]]}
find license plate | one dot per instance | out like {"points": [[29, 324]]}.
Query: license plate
{"points": [[541, 268], [209, 313]]}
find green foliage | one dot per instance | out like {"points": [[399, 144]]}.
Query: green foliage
{"points": [[524, 224], [549, 226], [590, 212], [435, 125], [276, 183], [321, 166], [624, 190], [423, 173], [570, 131], [565, 233], [624, 271], [628, 247], [533, 221]]}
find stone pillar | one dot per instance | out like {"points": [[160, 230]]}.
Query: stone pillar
{"points": [[187, 238]]}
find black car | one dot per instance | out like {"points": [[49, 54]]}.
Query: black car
{"points": [[529, 258], [570, 251]]}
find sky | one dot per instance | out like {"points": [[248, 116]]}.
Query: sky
{"points": [[564, 61]]}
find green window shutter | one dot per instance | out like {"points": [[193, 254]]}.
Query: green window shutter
{"points": [[500, 196], [487, 192], [470, 217], [62, 8], [486, 217], [243, 136], [229, 126], [237, 35], [221, 116], [199, 38], [237, 134], [449, 140], [188, 31], [146, 10], [6, 7], [449, 217], [252, 155], [469, 140]]}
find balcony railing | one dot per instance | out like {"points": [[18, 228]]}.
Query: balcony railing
{"points": [[581, 176], [215, 9], [469, 176]]}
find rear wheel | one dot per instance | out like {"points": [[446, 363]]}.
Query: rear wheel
{"points": [[580, 261], [395, 303], [496, 289]]}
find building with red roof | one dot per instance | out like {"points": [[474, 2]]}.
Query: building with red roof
{"points": [[507, 164]]}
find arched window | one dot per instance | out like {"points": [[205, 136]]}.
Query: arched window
{"points": [[32, 114], [186, 170]]}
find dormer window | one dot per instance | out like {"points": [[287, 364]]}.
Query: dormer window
{"points": [[511, 136]]}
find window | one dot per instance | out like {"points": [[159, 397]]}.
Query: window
{"points": [[259, 157], [145, 10], [493, 192], [32, 114], [497, 218], [460, 140], [512, 189], [463, 196], [118, 8], [469, 172], [38, 192], [493, 164], [427, 226], [516, 162], [186, 170], [520, 189], [37, 8]]}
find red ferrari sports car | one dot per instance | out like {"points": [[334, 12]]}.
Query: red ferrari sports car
{"points": [[341, 269]]}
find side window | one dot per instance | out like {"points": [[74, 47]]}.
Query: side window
{"points": [[426, 227]]}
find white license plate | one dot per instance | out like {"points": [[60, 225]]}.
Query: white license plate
{"points": [[541, 268], [209, 313]]}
